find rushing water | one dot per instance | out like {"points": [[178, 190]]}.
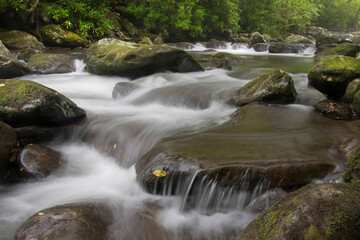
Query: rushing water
{"points": [[101, 154]]}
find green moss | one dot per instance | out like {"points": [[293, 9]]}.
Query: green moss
{"points": [[345, 49], [339, 222], [312, 233], [352, 172]]}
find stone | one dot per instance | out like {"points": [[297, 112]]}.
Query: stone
{"points": [[264, 201], [344, 49], [317, 32], [276, 87], [261, 47], [19, 40], [48, 63], [294, 39], [255, 38], [129, 27], [7, 144], [122, 89], [9, 67], [25, 54], [352, 172], [279, 47], [352, 88], [335, 109]]}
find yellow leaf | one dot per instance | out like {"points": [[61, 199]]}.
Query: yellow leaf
{"points": [[159, 173], [21, 169], [2, 84], [40, 213], [115, 145]]}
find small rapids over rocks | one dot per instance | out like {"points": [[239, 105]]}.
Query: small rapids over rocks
{"points": [[101, 154]]}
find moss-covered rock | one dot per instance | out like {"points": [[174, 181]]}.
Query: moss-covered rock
{"points": [[356, 104], [293, 39], [24, 103], [351, 90], [129, 27], [115, 57], [7, 143], [25, 54], [51, 63], [332, 75], [352, 173], [261, 47], [19, 40], [322, 212], [10, 67], [335, 109], [330, 39], [219, 61], [36, 161], [255, 38], [264, 201], [317, 32], [345, 49], [76, 221], [55, 36], [276, 87], [280, 47], [123, 89]]}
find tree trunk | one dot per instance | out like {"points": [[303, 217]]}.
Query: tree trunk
{"points": [[356, 22]]}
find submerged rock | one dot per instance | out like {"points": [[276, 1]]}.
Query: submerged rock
{"points": [[279, 47], [115, 57], [335, 109], [56, 36], [9, 67], [19, 40], [123, 89], [36, 161], [276, 87], [51, 63], [332, 75], [7, 144], [345, 49], [24, 103], [76, 221], [324, 211]]}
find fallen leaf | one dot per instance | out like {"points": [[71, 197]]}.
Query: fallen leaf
{"points": [[2, 84], [40, 213], [159, 173]]}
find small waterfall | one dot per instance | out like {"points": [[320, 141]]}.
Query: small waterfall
{"points": [[79, 66]]}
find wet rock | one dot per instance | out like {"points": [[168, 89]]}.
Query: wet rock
{"points": [[24, 103], [25, 54], [231, 57], [219, 62], [123, 89], [324, 47], [215, 44], [55, 36], [276, 87], [255, 38], [351, 90], [335, 109], [325, 211], [344, 49], [265, 200], [145, 41], [352, 173], [317, 32], [356, 104], [51, 63], [36, 161], [182, 45], [155, 39], [7, 144], [115, 57], [294, 39], [261, 47], [235, 155], [279, 47], [332, 39], [71, 221], [129, 27], [19, 40], [10, 67], [332, 75]]}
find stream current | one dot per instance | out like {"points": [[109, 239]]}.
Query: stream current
{"points": [[163, 106]]}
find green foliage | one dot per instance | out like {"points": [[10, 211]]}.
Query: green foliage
{"points": [[12, 4]]}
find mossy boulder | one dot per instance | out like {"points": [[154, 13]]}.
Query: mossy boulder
{"points": [[76, 221], [264, 201], [37, 161], [24, 103], [123, 89], [115, 57], [317, 32], [351, 90], [324, 211], [129, 27], [330, 39], [47, 63], [293, 39], [356, 104], [280, 47], [9, 67], [332, 75], [255, 38], [19, 40], [219, 62], [345, 49], [352, 173], [235, 155], [335, 109], [56, 36], [7, 144], [25, 54], [275, 87]]}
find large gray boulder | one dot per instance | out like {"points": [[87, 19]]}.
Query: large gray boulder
{"points": [[51, 63], [19, 40], [115, 57], [9, 67], [7, 144], [279, 47]]}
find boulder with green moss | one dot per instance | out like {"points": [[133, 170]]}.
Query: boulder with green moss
{"points": [[276, 87], [24, 103], [236, 155], [51, 63], [332, 75], [129, 27], [255, 38], [321, 212], [356, 104], [9, 67], [26, 54], [19, 40], [351, 90], [71, 221], [7, 144], [352, 173], [56, 36], [335, 109], [280, 47], [116, 57], [344, 49], [293, 39]]}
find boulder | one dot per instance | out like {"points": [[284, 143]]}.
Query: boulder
{"points": [[324, 47], [7, 144], [155, 39], [55, 36], [10, 67], [115, 57], [51, 63], [24, 103], [352, 173], [36, 161], [356, 104], [344, 49], [331, 39], [75, 221], [255, 38], [335, 109], [19, 40], [182, 45], [145, 41], [294, 39], [351, 90], [235, 155], [123, 89], [129, 27], [264, 201], [261, 47], [279, 47], [219, 62], [25, 54], [276, 87], [324, 211], [332, 75], [317, 32], [215, 44]]}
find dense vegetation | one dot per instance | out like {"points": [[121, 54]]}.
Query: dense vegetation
{"points": [[191, 18]]}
